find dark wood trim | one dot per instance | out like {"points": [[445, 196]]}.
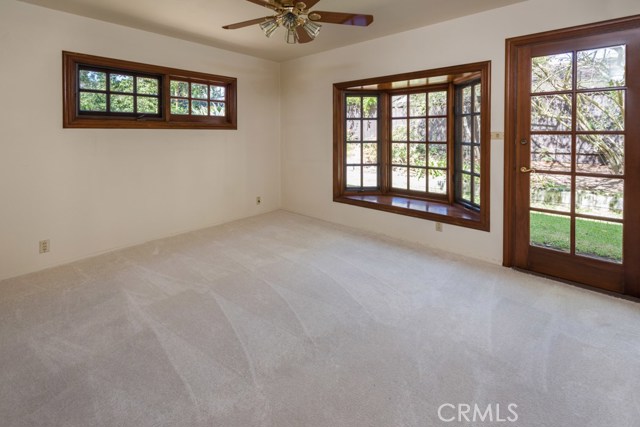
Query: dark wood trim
{"points": [[72, 119], [425, 209]]}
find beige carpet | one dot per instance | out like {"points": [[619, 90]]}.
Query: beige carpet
{"points": [[281, 320]]}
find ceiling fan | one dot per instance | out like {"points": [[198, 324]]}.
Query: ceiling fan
{"points": [[299, 22]]}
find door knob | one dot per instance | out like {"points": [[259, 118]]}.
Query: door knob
{"points": [[524, 169]]}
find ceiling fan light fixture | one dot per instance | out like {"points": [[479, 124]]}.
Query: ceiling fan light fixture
{"points": [[312, 29], [269, 26], [291, 36]]}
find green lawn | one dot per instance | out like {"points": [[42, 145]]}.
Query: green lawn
{"points": [[593, 238]]}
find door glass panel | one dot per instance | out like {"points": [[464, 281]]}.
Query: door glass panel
{"points": [[399, 130], [438, 155], [551, 113], [370, 104], [353, 107], [399, 154], [600, 196], [601, 111], [353, 130], [599, 239], [551, 192], [551, 152], [602, 68], [399, 106], [552, 73], [600, 154], [550, 231], [418, 129], [418, 102]]}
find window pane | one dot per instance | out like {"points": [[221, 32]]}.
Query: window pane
{"points": [[476, 159], [418, 179], [437, 181], [438, 130], [370, 105], [552, 73], [476, 190], [121, 83], [147, 86], [354, 153], [93, 80], [466, 187], [601, 111], [179, 106], [418, 102], [353, 130], [600, 196], [551, 152], [199, 91], [602, 154], [476, 129], [466, 158], [90, 101], [354, 178], [370, 153], [602, 68], [217, 109], [465, 133], [599, 239], [217, 93], [399, 106], [438, 103], [418, 155], [121, 103], [552, 192], [477, 98], [551, 113], [354, 107], [370, 176], [399, 130], [199, 108], [438, 155], [179, 88], [370, 130], [418, 129], [399, 178], [147, 104], [550, 231], [399, 154], [467, 100]]}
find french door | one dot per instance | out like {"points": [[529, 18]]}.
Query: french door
{"points": [[573, 155]]}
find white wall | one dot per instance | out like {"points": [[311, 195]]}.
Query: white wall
{"points": [[92, 190], [307, 109]]}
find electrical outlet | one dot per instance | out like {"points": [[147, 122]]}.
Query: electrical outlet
{"points": [[438, 226], [258, 200], [45, 246]]}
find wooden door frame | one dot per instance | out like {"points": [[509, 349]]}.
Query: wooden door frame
{"points": [[513, 46]]}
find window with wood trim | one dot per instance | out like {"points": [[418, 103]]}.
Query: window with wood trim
{"points": [[416, 144], [108, 93]]}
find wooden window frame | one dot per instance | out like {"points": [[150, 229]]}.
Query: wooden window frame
{"points": [[384, 198], [73, 118]]}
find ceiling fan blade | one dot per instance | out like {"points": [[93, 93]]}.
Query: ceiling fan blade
{"points": [[358, 19], [266, 3], [303, 37], [246, 23], [310, 3]]}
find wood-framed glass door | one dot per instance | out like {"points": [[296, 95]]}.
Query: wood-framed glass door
{"points": [[574, 163]]}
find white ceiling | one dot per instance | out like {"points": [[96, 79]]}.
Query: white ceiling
{"points": [[201, 20]]}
